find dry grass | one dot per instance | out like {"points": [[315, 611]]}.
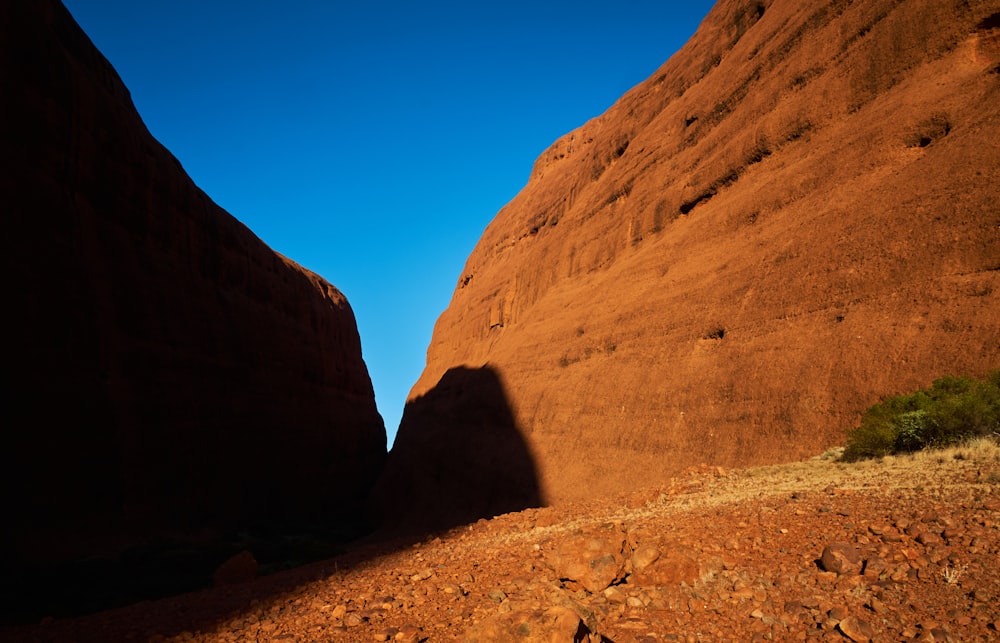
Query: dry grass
{"points": [[953, 573], [969, 465]]}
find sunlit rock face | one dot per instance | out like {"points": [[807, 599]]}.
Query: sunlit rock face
{"points": [[796, 215], [168, 376]]}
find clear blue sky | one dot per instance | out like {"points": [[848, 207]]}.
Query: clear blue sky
{"points": [[372, 142]]}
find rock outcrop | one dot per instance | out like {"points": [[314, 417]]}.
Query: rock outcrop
{"points": [[168, 375], [798, 214]]}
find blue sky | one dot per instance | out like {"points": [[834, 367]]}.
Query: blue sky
{"points": [[372, 142]]}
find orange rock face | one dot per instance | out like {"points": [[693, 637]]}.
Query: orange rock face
{"points": [[797, 215], [168, 375]]}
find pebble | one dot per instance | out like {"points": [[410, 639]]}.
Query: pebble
{"points": [[423, 574]]}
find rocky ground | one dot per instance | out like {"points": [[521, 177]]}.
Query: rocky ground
{"points": [[905, 548]]}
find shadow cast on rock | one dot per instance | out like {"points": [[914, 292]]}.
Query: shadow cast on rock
{"points": [[459, 456]]}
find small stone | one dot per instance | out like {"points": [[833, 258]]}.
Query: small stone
{"points": [[875, 567], [892, 535], [339, 612], [615, 596], [928, 538], [827, 577], [408, 634], [857, 630], [423, 574], [839, 613], [877, 606], [644, 556]]}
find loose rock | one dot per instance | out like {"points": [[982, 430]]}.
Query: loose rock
{"points": [[841, 558]]}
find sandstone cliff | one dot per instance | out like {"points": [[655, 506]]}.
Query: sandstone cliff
{"points": [[798, 214], [168, 376]]}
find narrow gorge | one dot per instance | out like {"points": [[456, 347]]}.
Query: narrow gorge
{"points": [[797, 215]]}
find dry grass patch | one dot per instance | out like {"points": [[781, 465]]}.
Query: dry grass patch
{"points": [[970, 464]]}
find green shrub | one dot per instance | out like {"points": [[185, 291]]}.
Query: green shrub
{"points": [[952, 410], [911, 430]]}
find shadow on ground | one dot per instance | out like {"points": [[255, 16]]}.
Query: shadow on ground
{"points": [[459, 457]]}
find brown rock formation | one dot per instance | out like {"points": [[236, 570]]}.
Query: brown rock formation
{"points": [[168, 375], [795, 216]]}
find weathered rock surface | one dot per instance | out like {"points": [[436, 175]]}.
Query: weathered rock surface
{"points": [[795, 216], [168, 375]]}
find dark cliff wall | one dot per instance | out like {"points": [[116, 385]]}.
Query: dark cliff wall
{"points": [[166, 373]]}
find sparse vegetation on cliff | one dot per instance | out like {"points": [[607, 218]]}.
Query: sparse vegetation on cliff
{"points": [[953, 410]]}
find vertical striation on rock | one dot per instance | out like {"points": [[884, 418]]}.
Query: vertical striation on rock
{"points": [[168, 375], [793, 217]]}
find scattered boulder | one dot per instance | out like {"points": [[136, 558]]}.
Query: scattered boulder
{"points": [[593, 559], [841, 558]]}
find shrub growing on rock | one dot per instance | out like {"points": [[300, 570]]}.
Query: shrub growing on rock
{"points": [[952, 410]]}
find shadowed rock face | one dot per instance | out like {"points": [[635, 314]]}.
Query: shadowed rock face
{"points": [[798, 214], [167, 374], [459, 457]]}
